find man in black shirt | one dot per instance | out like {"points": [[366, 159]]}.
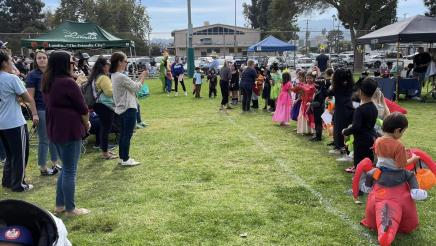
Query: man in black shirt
{"points": [[364, 120], [420, 65], [322, 61], [248, 78]]}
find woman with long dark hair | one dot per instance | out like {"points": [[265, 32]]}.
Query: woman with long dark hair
{"points": [[13, 128], [104, 106], [33, 85], [342, 90], [124, 93], [67, 123]]}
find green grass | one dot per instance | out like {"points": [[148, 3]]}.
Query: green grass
{"points": [[207, 176]]}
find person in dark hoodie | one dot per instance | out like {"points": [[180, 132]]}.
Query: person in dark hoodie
{"points": [[177, 71], [317, 106]]}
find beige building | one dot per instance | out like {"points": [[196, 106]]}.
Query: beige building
{"points": [[216, 38]]}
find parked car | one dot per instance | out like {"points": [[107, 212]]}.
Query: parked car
{"points": [[374, 61], [276, 59], [348, 58], [93, 59], [240, 60], [338, 63], [305, 63], [141, 63]]}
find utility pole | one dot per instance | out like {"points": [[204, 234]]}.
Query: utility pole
{"points": [[190, 49], [307, 36], [337, 44], [234, 36], [149, 44]]}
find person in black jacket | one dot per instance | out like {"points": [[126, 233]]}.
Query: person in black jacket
{"points": [[342, 90], [364, 120], [317, 106]]}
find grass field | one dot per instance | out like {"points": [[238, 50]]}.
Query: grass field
{"points": [[207, 177]]}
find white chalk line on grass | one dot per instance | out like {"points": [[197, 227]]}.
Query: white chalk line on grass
{"points": [[324, 201]]}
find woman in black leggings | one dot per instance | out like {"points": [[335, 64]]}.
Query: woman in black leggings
{"points": [[104, 103]]}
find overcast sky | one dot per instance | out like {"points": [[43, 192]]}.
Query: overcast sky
{"points": [[168, 15]]}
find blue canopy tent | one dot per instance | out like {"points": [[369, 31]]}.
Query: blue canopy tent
{"points": [[271, 44]]}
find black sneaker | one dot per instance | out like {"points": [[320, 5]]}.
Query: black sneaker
{"points": [[315, 139], [111, 146]]}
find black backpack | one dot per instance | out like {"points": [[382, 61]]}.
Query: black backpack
{"points": [[88, 93]]}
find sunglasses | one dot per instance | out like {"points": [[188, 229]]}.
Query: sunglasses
{"points": [[40, 50]]}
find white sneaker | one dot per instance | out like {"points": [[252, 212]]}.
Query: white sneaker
{"points": [[28, 187], [186, 93], [176, 94], [345, 158], [130, 162], [334, 152], [168, 94]]}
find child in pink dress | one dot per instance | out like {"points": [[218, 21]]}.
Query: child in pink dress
{"points": [[284, 102]]}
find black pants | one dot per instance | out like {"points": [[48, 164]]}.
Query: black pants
{"points": [[246, 97], [342, 119], [224, 92], [16, 145], [176, 84], [361, 152], [106, 116], [272, 104], [197, 91], [318, 122], [212, 89]]}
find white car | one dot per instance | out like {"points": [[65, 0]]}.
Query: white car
{"points": [[348, 58], [93, 59], [305, 63]]}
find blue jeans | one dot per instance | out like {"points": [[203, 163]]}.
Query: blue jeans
{"points": [[66, 186], [168, 84], [2, 152], [44, 145], [128, 123]]}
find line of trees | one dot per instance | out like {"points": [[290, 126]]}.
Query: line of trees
{"points": [[126, 19]]}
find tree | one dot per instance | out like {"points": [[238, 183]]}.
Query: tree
{"points": [[334, 37], [277, 17], [16, 15], [362, 17], [125, 18], [431, 5]]}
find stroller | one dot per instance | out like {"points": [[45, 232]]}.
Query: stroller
{"points": [[40, 226]]}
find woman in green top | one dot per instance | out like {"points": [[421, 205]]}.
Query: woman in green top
{"points": [[104, 106], [276, 86]]}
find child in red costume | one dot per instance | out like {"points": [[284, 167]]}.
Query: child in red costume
{"points": [[306, 121], [390, 206]]}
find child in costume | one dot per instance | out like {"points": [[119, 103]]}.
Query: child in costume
{"points": [[390, 207], [282, 113], [364, 119], [197, 82], [163, 70], [318, 106], [257, 88], [276, 77], [266, 92], [234, 84], [213, 81], [305, 121]]}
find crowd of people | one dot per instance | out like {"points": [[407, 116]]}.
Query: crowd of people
{"points": [[61, 111]]}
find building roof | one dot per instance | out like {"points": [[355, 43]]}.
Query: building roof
{"points": [[213, 25]]}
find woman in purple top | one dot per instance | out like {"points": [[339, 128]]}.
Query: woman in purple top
{"points": [[33, 85], [67, 123]]}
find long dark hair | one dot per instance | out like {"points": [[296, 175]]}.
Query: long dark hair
{"points": [[286, 77], [58, 65], [4, 57], [97, 69], [342, 78]]}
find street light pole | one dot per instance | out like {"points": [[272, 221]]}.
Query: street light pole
{"points": [[333, 33], [234, 36], [190, 49]]}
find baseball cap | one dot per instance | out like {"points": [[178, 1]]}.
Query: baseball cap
{"points": [[16, 234]]}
